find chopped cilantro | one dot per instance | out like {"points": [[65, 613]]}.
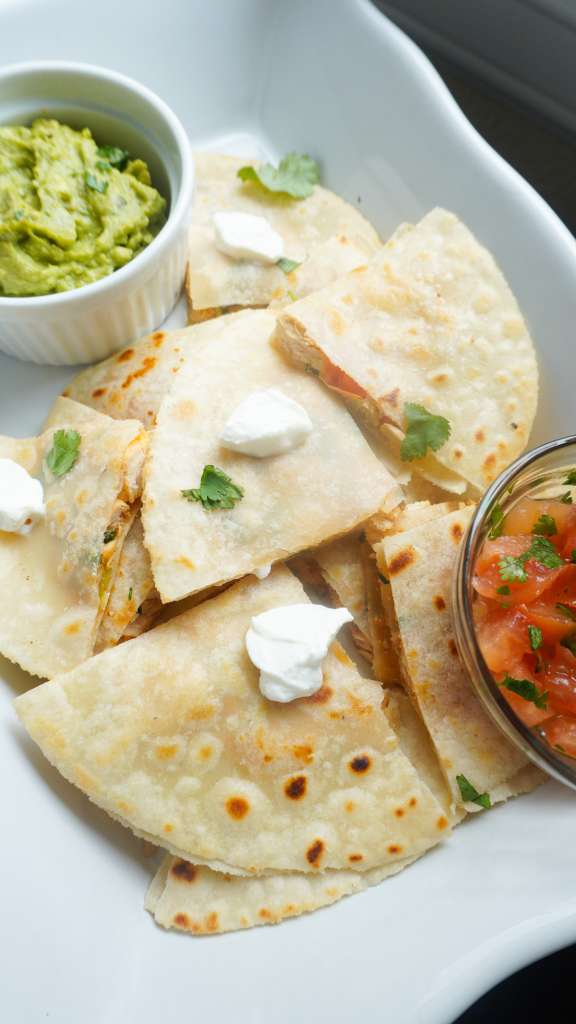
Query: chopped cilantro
{"points": [[295, 175], [114, 156], [383, 578], [535, 634], [287, 265], [423, 431], [526, 689], [64, 452], [216, 490], [511, 567], [505, 589], [96, 184], [110, 535], [570, 480], [292, 296], [496, 522], [545, 526], [567, 610], [470, 794], [566, 498], [130, 593], [570, 643]]}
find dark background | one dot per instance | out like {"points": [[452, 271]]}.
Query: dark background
{"points": [[546, 156]]}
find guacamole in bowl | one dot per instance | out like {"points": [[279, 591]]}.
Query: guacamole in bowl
{"points": [[71, 212]]}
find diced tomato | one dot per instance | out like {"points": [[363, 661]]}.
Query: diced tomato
{"points": [[503, 638], [335, 378], [527, 711], [488, 579], [559, 678], [524, 516], [561, 732]]}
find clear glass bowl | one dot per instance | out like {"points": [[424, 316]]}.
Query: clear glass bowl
{"points": [[537, 474]]}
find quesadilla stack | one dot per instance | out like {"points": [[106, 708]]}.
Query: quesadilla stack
{"points": [[324, 237]]}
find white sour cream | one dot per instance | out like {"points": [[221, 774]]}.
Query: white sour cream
{"points": [[21, 498], [246, 236], [266, 423], [263, 571], [288, 644]]}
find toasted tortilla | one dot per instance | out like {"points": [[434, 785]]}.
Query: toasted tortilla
{"points": [[133, 382], [420, 564], [200, 901], [431, 320], [55, 582], [170, 734], [323, 233], [321, 489]]}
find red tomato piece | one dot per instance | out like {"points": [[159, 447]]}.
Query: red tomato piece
{"points": [[559, 678], [503, 639], [526, 711], [560, 731], [524, 516]]}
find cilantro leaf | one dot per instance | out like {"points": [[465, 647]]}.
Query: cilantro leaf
{"points": [[545, 526], [423, 431], [570, 480], [566, 498], [110, 535], [383, 579], [512, 569], [64, 452], [544, 552], [526, 689], [496, 522], [503, 590], [470, 794], [95, 183], [569, 642], [216, 490], [535, 634], [114, 156], [130, 593], [567, 610], [295, 175], [287, 265]]}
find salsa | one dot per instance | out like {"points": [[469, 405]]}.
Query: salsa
{"points": [[525, 614], [71, 212]]}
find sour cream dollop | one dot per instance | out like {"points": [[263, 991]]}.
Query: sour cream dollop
{"points": [[21, 498], [246, 236], [266, 423], [288, 644]]}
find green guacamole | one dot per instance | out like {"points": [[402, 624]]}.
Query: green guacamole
{"points": [[70, 212]]}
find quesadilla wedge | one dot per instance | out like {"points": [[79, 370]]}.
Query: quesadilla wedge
{"points": [[56, 580], [170, 734], [200, 901], [419, 564], [132, 588], [289, 502], [430, 322], [323, 231]]}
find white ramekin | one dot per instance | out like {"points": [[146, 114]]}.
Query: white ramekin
{"points": [[91, 322]]}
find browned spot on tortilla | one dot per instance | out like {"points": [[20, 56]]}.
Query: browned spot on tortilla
{"points": [[322, 696], [168, 828], [66, 393], [237, 807], [184, 871], [197, 714], [336, 322], [392, 397], [98, 392], [347, 300], [265, 914], [401, 561], [489, 462], [452, 648], [295, 788], [289, 909], [314, 852], [458, 453], [211, 922], [123, 806], [343, 240], [186, 562], [147, 364], [355, 857], [360, 764], [399, 812], [303, 753], [349, 806], [267, 758], [457, 532], [72, 628], [182, 920], [394, 848], [185, 409], [440, 602], [439, 378], [165, 753], [205, 753], [125, 356], [442, 822], [158, 337], [480, 436], [412, 801]]}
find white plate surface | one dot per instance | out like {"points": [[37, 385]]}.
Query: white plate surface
{"points": [[334, 78]]}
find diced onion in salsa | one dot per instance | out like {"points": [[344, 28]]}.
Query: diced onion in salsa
{"points": [[525, 616]]}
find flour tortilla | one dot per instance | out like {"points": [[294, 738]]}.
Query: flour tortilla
{"points": [[431, 320], [199, 901], [319, 490], [169, 733], [420, 564], [133, 586], [55, 582], [133, 382], [323, 230]]}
